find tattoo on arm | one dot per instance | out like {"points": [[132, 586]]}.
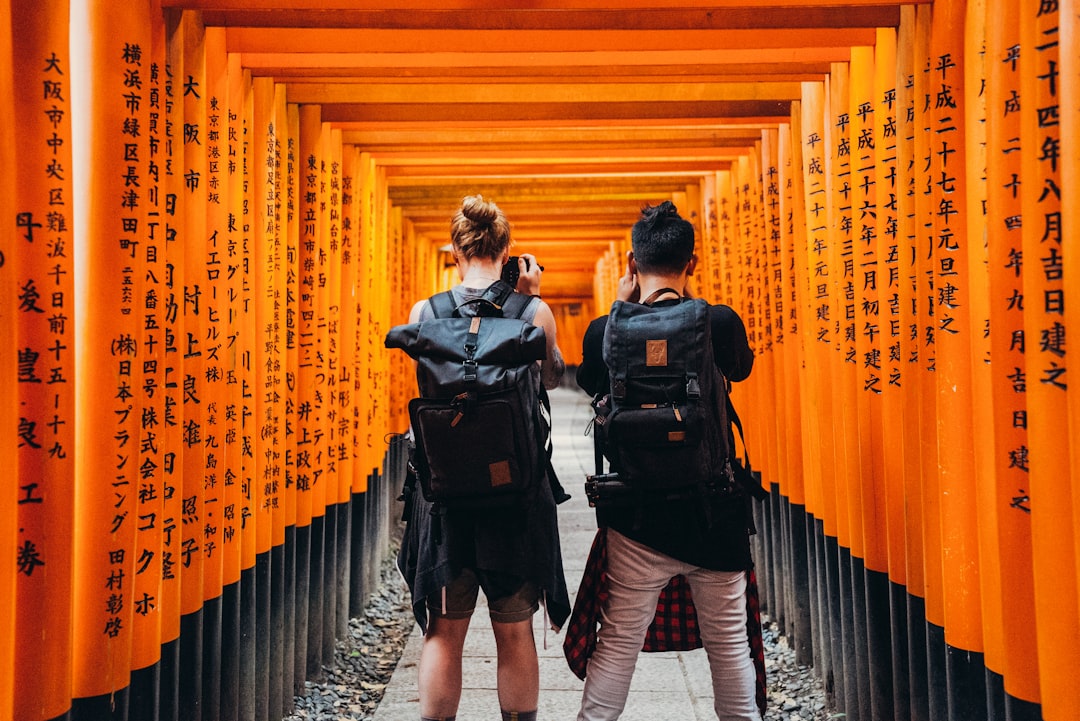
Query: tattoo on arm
{"points": [[552, 369]]}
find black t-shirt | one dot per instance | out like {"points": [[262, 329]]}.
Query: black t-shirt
{"points": [[681, 528]]}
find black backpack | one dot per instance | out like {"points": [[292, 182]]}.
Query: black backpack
{"points": [[477, 423], [664, 425]]}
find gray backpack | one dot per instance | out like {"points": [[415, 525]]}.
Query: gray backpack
{"points": [[477, 423], [666, 424]]}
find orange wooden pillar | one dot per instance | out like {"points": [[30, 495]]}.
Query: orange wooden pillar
{"points": [[39, 317], [912, 375], [109, 274], [1069, 31], [8, 402], [1045, 245], [266, 426], [862, 310], [298, 500], [283, 610], [331, 302], [212, 276], [312, 443], [933, 651], [350, 393], [1012, 602], [229, 102], [187, 54], [165, 149], [815, 295], [953, 311]]}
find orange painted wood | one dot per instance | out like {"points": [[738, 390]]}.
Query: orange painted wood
{"points": [[1044, 244], [839, 363], [332, 224], [648, 18], [267, 251], [954, 326], [476, 5], [771, 421], [108, 278], [789, 309], [284, 510], [976, 172], [813, 294], [889, 448], [9, 521], [365, 271], [39, 320], [861, 280], [310, 386], [1010, 515], [350, 396], [218, 331], [294, 514], [424, 62], [1070, 181], [190, 262], [930, 507], [908, 290], [345, 40]]}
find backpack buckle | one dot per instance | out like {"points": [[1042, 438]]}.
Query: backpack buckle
{"points": [[693, 388], [469, 366]]}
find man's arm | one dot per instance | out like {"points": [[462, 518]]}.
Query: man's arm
{"points": [[730, 345], [553, 366], [592, 374]]}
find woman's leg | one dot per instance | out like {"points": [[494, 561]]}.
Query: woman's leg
{"points": [[439, 681], [519, 669], [636, 576], [720, 600]]}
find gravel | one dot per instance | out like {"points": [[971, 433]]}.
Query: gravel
{"points": [[364, 662], [795, 693]]}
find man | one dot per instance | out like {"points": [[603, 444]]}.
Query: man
{"points": [[645, 549]]}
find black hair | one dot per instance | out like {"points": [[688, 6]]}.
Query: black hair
{"points": [[663, 241]]}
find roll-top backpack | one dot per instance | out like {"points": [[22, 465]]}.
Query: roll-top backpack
{"points": [[664, 424], [476, 423]]}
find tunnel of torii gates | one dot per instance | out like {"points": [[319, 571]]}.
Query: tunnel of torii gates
{"points": [[203, 426]]}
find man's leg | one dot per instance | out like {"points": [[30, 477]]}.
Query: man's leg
{"points": [[519, 669], [449, 612], [439, 682], [636, 576], [720, 600], [512, 602]]}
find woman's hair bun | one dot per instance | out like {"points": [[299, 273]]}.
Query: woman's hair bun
{"points": [[478, 210]]}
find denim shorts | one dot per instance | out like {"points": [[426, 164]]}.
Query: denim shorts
{"points": [[510, 598]]}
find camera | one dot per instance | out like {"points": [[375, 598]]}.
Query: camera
{"points": [[605, 489], [511, 272]]}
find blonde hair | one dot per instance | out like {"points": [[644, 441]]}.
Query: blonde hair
{"points": [[479, 229]]}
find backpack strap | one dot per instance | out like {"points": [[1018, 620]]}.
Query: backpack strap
{"points": [[653, 297], [443, 305]]}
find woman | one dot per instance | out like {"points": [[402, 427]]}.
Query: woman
{"points": [[514, 557]]}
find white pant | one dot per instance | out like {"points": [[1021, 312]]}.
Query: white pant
{"points": [[636, 576]]}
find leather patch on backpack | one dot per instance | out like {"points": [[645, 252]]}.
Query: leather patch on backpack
{"points": [[500, 473], [656, 352]]}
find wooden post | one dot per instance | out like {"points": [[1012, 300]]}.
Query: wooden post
{"points": [[1045, 245], [39, 325], [9, 521]]}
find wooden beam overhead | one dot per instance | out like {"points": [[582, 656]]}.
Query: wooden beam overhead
{"points": [[346, 40], [649, 19], [571, 114]]}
